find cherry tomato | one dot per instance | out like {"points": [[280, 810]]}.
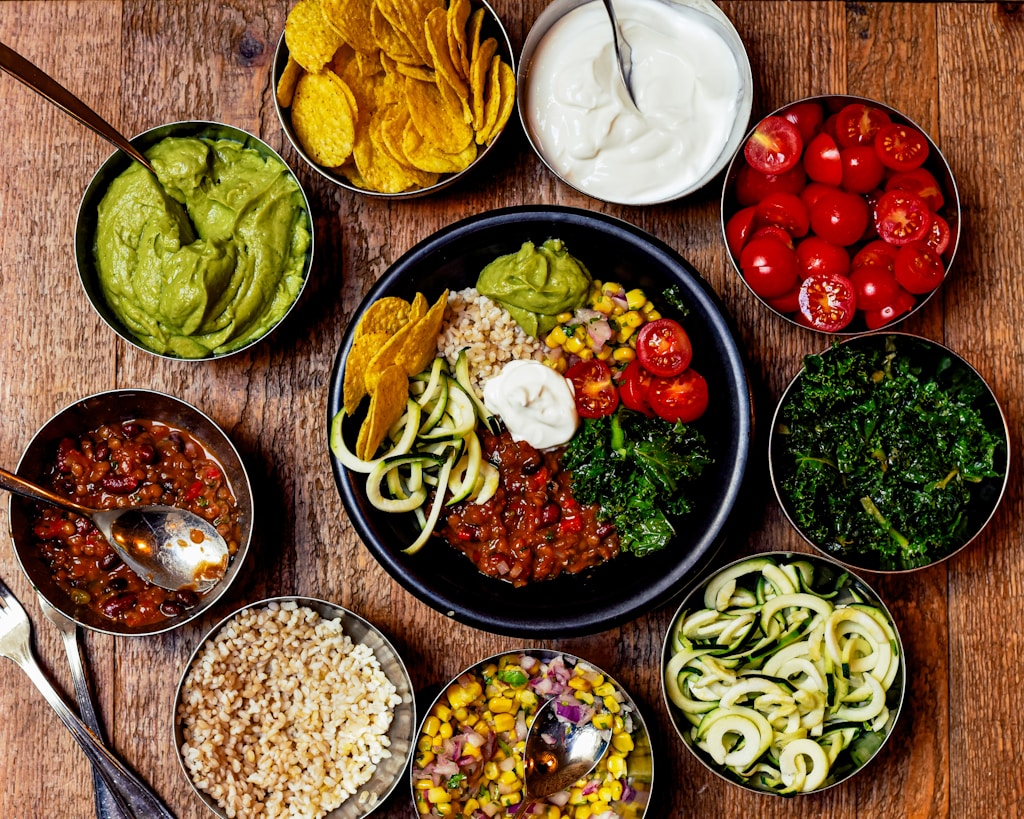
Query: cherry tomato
{"points": [[877, 253], [904, 303], [939, 234], [807, 117], [784, 210], [919, 269], [683, 397], [876, 287], [634, 386], [862, 169], [827, 301], [859, 124], [813, 192], [921, 182], [788, 302], [769, 267], [738, 229], [775, 146], [753, 186], [902, 217], [663, 347], [901, 147], [593, 388], [817, 255], [840, 217], [822, 161], [776, 233]]}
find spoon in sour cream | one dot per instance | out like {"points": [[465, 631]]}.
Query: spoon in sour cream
{"points": [[623, 52]]}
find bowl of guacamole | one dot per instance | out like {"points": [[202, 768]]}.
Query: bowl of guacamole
{"points": [[203, 259]]}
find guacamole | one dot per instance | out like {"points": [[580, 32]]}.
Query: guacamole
{"points": [[535, 284], [208, 255]]}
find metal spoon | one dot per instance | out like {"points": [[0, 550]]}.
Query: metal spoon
{"points": [[106, 804], [42, 83], [169, 547], [623, 53], [557, 753]]}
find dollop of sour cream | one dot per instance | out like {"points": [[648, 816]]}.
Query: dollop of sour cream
{"points": [[535, 402], [688, 87]]}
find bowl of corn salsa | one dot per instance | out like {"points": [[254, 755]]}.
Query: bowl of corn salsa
{"points": [[468, 759]]}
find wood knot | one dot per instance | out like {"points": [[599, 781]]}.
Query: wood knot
{"points": [[249, 49], [1011, 11]]}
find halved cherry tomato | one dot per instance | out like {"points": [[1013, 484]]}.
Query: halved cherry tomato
{"points": [[753, 186], [904, 303], [939, 234], [634, 386], [807, 117], [858, 124], [738, 229], [840, 217], [921, 182], [822, 161], [827, 301], [769, 267], [784, 210], [862, 170], [663, 347], [776, 233], [683, 397], [876, 287], [775, 146], [818, 255], [813, 192], [901, 147], [902, 217], [919, 269], [877, 253], [592, 385]]}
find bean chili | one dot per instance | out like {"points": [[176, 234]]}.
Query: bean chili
{"points": [[133, 463], [532, 528]]}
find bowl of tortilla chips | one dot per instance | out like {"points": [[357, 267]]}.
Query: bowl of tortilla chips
{"points": [[393, 98]]}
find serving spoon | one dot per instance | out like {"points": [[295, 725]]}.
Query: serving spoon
{"points": [[557, 753], [42, 83], [623, 53], [167, 546]]}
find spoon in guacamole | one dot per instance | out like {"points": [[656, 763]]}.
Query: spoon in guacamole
{"points": [[43, 84], [169, 547]]}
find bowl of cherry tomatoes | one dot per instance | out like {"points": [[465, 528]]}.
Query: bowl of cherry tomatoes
{"points": [[840, 214]]}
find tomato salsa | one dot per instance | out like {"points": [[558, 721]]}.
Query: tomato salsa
{"points": [[133, 463], [532, 528]]}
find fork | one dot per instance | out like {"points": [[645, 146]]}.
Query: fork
{"points": [[132, 795]]}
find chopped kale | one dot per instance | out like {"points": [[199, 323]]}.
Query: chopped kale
{"points": [[637, 469]]}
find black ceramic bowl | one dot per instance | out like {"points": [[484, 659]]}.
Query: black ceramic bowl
{"points": [[626, 586], [848, 523], [115, 407], [734, 199]]}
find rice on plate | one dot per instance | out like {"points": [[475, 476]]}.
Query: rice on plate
{"points": [[282, 714]]}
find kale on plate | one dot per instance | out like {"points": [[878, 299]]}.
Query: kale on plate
{"points": [[636, 469], [880, 449]]}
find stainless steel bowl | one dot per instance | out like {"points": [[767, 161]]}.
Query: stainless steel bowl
{"points": [[400, 734], [116, 163], [111, 408], [676, 661], [639, 778], [703, 12], [492, 27]]}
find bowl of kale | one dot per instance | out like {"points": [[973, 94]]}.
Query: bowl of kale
{"points": [[888, 452]]}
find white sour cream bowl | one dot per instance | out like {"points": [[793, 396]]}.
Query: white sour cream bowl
{"points": [[691, 79]]}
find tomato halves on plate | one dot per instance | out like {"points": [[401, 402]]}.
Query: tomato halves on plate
{"points": [[663, 347], [683, 397], [592, 385]]}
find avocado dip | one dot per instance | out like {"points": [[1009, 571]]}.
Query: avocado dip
{"points": [[535, 284], [208, 255]]}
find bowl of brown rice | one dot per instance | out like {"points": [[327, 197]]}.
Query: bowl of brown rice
{"points": [[294, 706]]}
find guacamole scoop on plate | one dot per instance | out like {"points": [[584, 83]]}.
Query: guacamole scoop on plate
{"points": [[207, 256]]}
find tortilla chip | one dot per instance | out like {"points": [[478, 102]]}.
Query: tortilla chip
{"points": [[324, 119], [310, 37], [386, 315], [436, 30], [458, 44], [351, 18], [426, 156], [433, 119], [363, 348], [419, 345], [289, 78], [387, 403], [478, 69]]}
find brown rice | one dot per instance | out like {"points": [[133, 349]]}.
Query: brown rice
{"points": [[487, 331], [283, 715]]}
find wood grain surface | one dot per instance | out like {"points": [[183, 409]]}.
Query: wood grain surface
{"points": [[954, 67]]}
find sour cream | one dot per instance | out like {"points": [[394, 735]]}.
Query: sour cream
{"points": [[535, 402], [691, 82]]}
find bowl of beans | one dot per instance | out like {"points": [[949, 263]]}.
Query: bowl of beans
{"points": [[113, 450], [470, 744]]}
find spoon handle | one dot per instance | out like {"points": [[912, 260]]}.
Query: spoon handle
{"points": [[19, 486], [42, 83]]}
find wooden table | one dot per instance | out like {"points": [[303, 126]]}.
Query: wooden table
{"points": [[953, 67]]}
